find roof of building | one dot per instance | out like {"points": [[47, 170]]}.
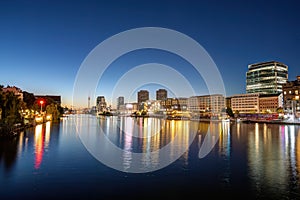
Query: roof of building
{"points": [[260, 64]]}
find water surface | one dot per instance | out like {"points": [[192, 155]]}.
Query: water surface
{"points": [[248, 160]]}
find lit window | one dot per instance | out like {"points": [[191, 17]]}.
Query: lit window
{"points": [[296, 91], [290, 92], [297, 97], [284, 92]]}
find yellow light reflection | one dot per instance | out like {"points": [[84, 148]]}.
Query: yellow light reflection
{"points": [[256, 137], [265, 133], [238, 127], [47, 134], [21, 141]]}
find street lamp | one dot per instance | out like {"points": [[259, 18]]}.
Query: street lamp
{"points": [[41, 102]]}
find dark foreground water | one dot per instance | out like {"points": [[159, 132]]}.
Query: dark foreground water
{"points": [[259, 161]]}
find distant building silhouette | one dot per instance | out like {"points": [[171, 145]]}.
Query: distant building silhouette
{"points": [[101, 104], [55, 98], [143, 96], [120, 102], [161, 94]]}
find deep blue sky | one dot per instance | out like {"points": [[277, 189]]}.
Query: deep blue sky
{"points": [[43, 43]]}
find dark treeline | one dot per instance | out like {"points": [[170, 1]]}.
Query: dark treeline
{"points": [[14, 110]]}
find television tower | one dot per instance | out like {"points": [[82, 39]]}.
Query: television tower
{"points": [[89, 99]]}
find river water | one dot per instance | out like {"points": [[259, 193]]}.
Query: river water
{"points": [[66, 160]]}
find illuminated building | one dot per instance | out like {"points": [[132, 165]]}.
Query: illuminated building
{"points": [[269, 103], [167, 104], [131, 107], [206, 103], [256, 103], [291, 93], [266, 77], [245, 103]]}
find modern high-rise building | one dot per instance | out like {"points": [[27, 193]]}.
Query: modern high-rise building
{"points": [[266, 77], [143, 96], [161, 94], [101, 104], [100, 99], [120, 102]]}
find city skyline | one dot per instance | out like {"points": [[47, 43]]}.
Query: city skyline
{"points": [[42, 51]]}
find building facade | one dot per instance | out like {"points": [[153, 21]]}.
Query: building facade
{"points": [[167, 104], [174, 104], [161, 94], [206, 103], [266, 77], [142, 96], [101, 104], [130, 108], [256, 103], [269, 103], [120, 102], [245, 103], [291, 97]]}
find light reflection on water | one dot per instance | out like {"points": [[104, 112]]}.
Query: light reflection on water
{"points": [[272, 159], [143, 135], [259, 159]]}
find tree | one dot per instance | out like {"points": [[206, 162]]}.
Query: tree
{"points": [[144, 113], [11, 107], [237, 113], [229, 112], [29, 99], [279, 110], [52, 110]]}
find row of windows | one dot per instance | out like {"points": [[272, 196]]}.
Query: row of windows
{"points": [[243, 101], [271, 106], [291, 92]]}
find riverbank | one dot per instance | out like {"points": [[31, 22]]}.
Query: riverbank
{"points": [[286, 122], [12, 131], [199, 119]]}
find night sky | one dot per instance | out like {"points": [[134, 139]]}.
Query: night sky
{"points": [[43, 43]]}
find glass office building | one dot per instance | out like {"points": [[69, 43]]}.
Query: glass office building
{"points": [[266, 77]]}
